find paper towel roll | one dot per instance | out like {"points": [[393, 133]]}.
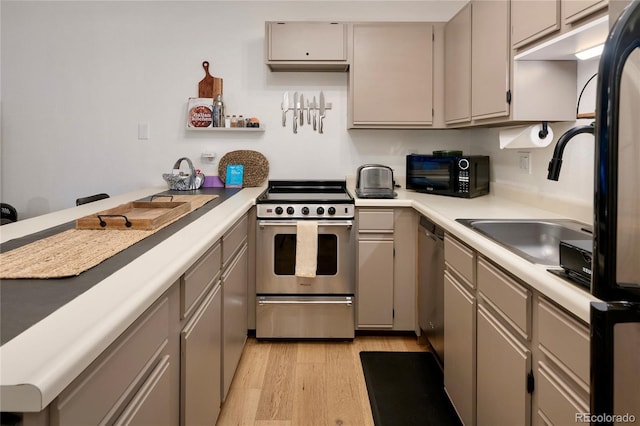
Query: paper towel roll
{"points": [[525, 137]]}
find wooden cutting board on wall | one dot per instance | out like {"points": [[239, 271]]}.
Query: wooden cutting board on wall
{"points": [[209, 86]]}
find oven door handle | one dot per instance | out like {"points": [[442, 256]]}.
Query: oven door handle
{"points": [[292, 222], [305, 301]]}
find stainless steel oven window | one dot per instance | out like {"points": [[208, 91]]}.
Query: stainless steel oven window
{"points": [[336, 259], [284, 254]]}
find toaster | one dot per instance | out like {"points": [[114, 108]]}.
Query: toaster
{"points": [[375, 181]]}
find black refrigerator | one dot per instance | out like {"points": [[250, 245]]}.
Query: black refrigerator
{"points": [[615, 322]]}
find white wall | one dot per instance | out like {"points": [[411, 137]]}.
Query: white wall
{"points": [[77, 77]]}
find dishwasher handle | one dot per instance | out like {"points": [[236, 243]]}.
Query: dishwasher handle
{"points": [[431, 230], [435, 237]]}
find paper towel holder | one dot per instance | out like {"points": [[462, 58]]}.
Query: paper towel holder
{"points": [[544, 131]]}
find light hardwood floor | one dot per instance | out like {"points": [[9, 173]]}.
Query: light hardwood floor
{"points": [[305, 383]]}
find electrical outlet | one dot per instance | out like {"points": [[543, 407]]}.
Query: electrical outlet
{"points": [[208, 156], [524, 162]]}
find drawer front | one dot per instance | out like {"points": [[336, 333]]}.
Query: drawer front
{"points": [[149, 406], [330, 317], [198, 279], [374, 220], [460, 258], [558, 403], [564, 339], [233, 239], [116, 374], [510, 299]]}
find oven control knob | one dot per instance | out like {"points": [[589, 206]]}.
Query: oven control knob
{"points": [[290, 210], [463, 164], [279, 210], [331, 210], [305, 210], [320, 211]]}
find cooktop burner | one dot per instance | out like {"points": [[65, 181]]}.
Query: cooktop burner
{"points": [[306, 199]]}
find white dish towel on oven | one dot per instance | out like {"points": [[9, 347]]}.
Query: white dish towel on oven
{"points": [[306, 248]]}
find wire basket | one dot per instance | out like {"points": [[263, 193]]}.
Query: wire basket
{"points": [[184, 181]]}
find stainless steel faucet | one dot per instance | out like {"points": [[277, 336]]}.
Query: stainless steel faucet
{"points": [[556, 161]]}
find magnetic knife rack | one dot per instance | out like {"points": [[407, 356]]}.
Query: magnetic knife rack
{"points": [[327, 105]]}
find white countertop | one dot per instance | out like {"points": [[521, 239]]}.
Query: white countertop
{"points": [[445, 210], [39, 363]]}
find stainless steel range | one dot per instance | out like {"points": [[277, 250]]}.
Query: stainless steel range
{"points": [[320, 302]]}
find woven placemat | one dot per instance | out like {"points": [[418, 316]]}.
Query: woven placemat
{"points": [[74, 251], [256, 166]]}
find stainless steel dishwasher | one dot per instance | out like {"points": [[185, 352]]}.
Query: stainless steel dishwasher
{"points": [[431, 284]]}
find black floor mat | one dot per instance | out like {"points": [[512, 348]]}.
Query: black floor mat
{"points": [[406, 388]]}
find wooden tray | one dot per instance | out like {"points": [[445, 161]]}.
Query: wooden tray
{"points": [[146, 215]]}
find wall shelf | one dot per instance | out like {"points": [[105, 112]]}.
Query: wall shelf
{"points": [[228, 129]]}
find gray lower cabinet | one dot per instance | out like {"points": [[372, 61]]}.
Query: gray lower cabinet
{"points": [[133, 381], [562, 379], [375, 249], [235, 273], [174, 365], [386, 277], [459, 340], [149, 406], [234, 323], [503, 363], [512, 356], [504, 357], [200, 362], [375, 283], [200, 340]]}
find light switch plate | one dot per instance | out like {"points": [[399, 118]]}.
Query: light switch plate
{"points": [[143, 131]]}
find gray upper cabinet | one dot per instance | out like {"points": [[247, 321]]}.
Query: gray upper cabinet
{"points": [[533, 19], [490, 59], [306, 46], [457, 64], [615, 9], [483, 83], [391, 76], [575, 10], [477, 63]]}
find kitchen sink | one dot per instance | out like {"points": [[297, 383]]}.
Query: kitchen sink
{"points": [[537, 240]]}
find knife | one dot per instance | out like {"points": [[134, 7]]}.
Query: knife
{"points": [[295, 112], [306, 107], [315, 112], [285, 107], [302, 109], [320, 127]]}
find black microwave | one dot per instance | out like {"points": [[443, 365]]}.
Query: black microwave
{"points": [[465, 176]]}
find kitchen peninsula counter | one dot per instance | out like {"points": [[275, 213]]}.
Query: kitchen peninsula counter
{"points": [[37, 364]]}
